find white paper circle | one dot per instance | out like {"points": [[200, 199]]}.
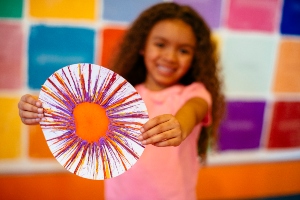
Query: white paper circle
{"points": [[114, 153]]}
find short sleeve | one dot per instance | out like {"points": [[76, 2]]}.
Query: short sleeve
{"points": [[198, 90]]}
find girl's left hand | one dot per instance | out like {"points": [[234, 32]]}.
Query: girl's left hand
{"points": [[163, 130]]}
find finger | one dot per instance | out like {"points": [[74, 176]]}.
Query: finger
{"points": [[31, 121], [24, 106], [155, 121], [170, 142], [30, 115], [159, 131], [31, 100], [30, 108], [163, 136]]}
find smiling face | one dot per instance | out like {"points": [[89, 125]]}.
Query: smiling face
{"points": [[168, 53]]}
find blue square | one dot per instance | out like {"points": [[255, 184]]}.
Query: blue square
{"points": [[125, 11], [51, 48], [290, 22]]}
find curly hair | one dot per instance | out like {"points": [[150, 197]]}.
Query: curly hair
{"points": [[129, 63]]}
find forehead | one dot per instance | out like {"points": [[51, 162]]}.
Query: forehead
{"points": [[173, 30]]}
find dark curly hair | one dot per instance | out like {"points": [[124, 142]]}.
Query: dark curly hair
{"points": [[129, 63]]}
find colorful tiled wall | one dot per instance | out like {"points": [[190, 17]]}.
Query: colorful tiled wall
{"points": [[259, 44]]}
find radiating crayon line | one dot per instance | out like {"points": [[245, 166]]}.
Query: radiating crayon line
{"points": [[68, 88]]}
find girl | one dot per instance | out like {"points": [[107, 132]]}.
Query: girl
{"points": [[167, 54]]}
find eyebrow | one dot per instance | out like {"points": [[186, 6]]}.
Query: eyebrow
{"points": [[184, 44]]}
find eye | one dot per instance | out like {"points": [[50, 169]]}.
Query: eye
{"points": [[159, 44], [184, 51]]}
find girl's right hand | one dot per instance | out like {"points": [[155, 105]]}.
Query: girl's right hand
{"points": [[30, 110]]}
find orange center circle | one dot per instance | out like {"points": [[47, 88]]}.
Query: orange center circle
{"points": [[91, 121]]}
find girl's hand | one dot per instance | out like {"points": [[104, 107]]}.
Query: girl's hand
{"points": [[161, 131], [30, 110], [169, 130]]}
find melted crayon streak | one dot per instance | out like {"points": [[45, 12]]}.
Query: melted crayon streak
{"points": [[64, 92]]}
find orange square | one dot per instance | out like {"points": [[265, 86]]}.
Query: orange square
{"points": [[38, 147], [288, 67], [109, 40], [75, 9], [10, 126]]}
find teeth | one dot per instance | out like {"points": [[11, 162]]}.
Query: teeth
{"points": [[165, 69]]}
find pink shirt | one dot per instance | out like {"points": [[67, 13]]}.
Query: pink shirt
{"points": [[163, 172]]}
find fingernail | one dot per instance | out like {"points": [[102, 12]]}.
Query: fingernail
{"points": [[140, 137], [144, 142], [40, 110], [40, 115], [142, 130]]}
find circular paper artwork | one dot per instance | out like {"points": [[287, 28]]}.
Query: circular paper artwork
{"points": [[92, 120]]}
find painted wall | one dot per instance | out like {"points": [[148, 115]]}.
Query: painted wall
{"points": [[259, 44]]}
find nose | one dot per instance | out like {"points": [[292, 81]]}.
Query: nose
{"points": [[170, 55]]}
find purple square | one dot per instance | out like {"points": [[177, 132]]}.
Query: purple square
{"points": [[242, 125], [209, 10]]}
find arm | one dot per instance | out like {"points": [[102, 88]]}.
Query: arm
{"points": [[30, 110], [169, 130]]}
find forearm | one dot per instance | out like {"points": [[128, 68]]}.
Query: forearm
{"points": [[190, 114]]}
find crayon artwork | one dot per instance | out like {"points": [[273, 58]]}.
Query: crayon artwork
{"points": [[92, 120]]}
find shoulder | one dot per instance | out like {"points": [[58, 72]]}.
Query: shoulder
{"points": [[139, 87], [196, 86], [196, 89]]}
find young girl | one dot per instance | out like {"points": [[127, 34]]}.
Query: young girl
{"points": [[167, 54]]}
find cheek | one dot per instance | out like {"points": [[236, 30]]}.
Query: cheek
{"points": [[149, 56], [186, 64]]}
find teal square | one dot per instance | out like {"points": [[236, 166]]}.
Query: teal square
{"points": [[11, 8], [51, 48]]}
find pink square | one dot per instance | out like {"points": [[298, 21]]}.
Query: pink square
{"points": [[257, 15], [11, 43]]}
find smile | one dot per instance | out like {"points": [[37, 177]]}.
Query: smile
{"points": [[165, 70]]}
